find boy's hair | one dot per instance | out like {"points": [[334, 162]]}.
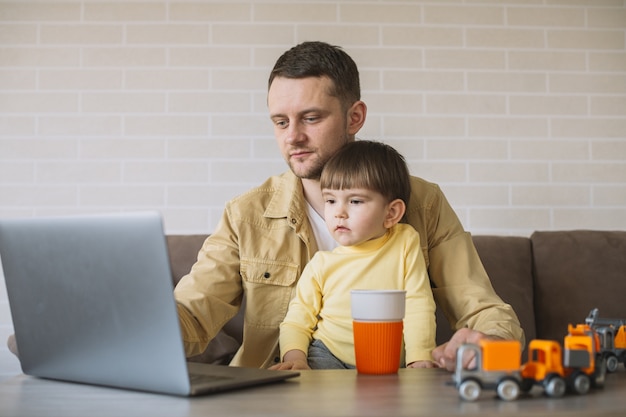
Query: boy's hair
{"points": [[370, 165], [319, 59]]}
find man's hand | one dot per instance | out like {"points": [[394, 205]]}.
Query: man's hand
{"points": [[293, 360], [445, 355], [12, 345]]}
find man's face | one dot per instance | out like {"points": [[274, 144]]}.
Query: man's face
{"points": [[309, 124]]}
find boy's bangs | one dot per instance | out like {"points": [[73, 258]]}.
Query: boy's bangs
{"points": [[347, 179]]}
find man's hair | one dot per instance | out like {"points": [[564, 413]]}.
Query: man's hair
{"points": [[319, 59], [370, 165]]}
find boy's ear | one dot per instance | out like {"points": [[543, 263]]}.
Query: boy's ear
{"points": [[395, 211]]}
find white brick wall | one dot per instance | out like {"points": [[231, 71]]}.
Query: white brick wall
{"points": [[517, 109]]}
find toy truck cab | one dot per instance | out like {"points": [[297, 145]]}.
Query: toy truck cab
{"points": [[544, 367], [497, 364], [583, 363]]}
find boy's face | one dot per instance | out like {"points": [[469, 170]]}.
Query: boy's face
{"points": [[355, 215], [309, 123]]}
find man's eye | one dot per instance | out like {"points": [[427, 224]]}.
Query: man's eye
{"points": [[280, 123], [311, 119]]}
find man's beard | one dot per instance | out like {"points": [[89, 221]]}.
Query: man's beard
{"points": [[313, 173]]}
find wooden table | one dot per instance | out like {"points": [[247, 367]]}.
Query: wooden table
{"points": [[412, 392]]}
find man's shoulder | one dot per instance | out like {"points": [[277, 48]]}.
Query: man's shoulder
{"points": [[267, 189], [424, 195], [420, 185], [277, 197]]}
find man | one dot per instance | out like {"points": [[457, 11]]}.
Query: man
{"points": [[267, 235]]}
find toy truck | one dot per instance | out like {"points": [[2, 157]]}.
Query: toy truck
{"points": [[576, 367], [612, 333], [497, 366]]}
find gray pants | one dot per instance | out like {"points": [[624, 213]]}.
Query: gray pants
{"points": [[320, 357]]}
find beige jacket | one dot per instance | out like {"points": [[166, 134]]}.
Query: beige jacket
{"points": [[263, 242]]}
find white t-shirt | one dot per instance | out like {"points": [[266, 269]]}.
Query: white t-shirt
{"points": [[323, 237]]}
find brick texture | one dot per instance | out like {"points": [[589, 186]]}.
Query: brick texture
{"points": [[517, 109]]}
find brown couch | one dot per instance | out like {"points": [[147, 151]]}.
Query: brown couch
{"points": [[551, 279]]}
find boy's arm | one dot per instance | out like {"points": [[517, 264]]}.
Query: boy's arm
{"points": [[296, 330], [420, 308]]}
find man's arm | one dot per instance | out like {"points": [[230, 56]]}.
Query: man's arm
{"points": [[460, 283], [464, 292], [211, 294], [12, 345]]}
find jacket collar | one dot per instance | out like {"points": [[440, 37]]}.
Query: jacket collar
{"points": [[288, 203], [288, 199]]}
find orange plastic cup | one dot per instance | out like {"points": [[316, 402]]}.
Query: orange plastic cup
{"points": [[377, 346]]}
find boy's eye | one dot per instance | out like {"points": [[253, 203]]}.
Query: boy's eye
{"points": [[355, 201], [330, 201]]}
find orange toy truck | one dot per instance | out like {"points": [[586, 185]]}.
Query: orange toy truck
{"points": [[576, 367], [497, 366]]}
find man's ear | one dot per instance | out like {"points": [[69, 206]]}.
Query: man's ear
{"points": [[356, 117], [395, 211]]}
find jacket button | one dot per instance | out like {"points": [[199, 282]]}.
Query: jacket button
{"points": [[293, 221], [266, 275], [276, 359]]}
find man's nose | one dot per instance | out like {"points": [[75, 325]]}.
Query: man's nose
{"points": [[295, 133]]}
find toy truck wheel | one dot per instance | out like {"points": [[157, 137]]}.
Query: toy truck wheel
{"points": [[612, 363], [469, 390], [581, 384], [555, 387], [508, 390]]}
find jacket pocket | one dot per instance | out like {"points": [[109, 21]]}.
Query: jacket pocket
{"points": [[269, 287], [260, 271]]}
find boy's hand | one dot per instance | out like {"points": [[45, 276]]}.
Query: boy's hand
{"points": [[422, 364], [290, 365], [293, 360]]}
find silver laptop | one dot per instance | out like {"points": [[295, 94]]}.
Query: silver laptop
{"points": [[91, 301]]}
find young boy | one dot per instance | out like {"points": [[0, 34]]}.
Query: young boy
{"points": [[366, 190]]}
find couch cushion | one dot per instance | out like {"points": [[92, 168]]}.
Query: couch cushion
{"points": [[183, 251], [508, 262], [576, 271]]}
